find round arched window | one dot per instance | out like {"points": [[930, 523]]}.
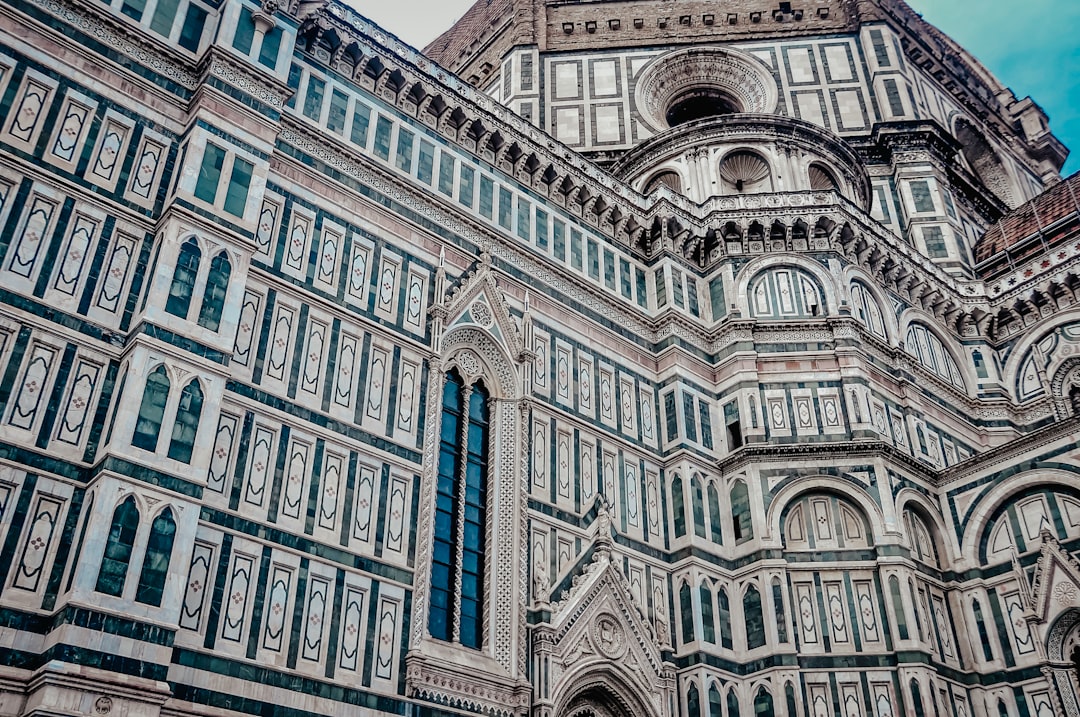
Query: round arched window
{"points": [[822, 180]]}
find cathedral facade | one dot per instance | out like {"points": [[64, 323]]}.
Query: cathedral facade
{"points": [[624, 358]]}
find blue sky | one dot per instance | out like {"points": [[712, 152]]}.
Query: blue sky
{"points": [[1032, 46]]}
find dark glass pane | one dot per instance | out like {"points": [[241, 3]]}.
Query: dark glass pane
{"points": [[210, 173], [151, 411], [707, 629], [164, 15], [678, 507], [239, 182], [155, 568], [755, 620], [271, 45], [186, 426], [114, 562], [245, 32], [183, 282], [217, 285], [192, 31]]}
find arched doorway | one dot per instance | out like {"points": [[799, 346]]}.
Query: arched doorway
{"points": [[595, 702], [1063, 653], [605, 690]]}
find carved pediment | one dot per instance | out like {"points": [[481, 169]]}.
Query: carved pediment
{"points": [[1055, 587], [477, 302], [597, 635]]}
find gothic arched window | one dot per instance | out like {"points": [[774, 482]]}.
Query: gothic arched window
{"points": [[686, 607], [457, 567], [708, 631], [699, 506], [980, 625], [186, 425], [778, 604], [714, 515], [114, 562], [789, 697], [740, 512], [693, 702], [155, 567], [732, 703], [898, 607], [217, 284], [754, 618], [724, 608], [763, 703], [678, 506], [715, 702], [916, 699], [151, 410], [183, 280]]}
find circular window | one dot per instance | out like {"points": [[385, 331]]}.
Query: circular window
{"points": [[700, 103], [702, 82]]}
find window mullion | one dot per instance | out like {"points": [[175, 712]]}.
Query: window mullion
{"points": [[459, 517]]}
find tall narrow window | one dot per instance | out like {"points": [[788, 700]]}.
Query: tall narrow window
{"points": [[678, 506], [916, 699], [457, 578], [715, 526], [732, 703], [763, 704], [114, 562], [183, 280], [724, 608], [778, 604], [740, 513], [693, 702], [155, 567], [151, 411], [192, 31], [186, 426], [686, 610], [217, 284], [980, 625], [789, 697], [898, 608], [754, 618], [239, 182], [708, 632], [271, 46], [699, 507], [206, 186], [716, 705]]}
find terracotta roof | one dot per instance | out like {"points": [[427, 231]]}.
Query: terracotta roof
{"points": [[473, 25], [1047, 216]]}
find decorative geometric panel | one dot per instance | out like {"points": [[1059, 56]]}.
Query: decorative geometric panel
{"points": [[387, 294], [356, 289], [117, 271], [563, 464], [73, 419], [198, 585], [267, 229], [627, 403], [235, 599], [587, 459], [28, 244], [330, 487], [348, 355], [261, 446], [415, 300], [71, 128], [314, 358], [217, 478], [297, 465], [868, 615], [386, 638], [74, 257], [149, 163], [28, 112], [408, 396], [784, 293], [246, 327], [41, 527], [353, 629], [562, 374], [315, 619], [585, 385], [539, 453], [32, 386], [280, 344], [109, 154], [377, 373], [326, 266], [652, 486], [366, 489], [804, 600], [837, 612], [276, 607], [541, 371], [297, 245], [394, 523], [607, 396], [630, 496]]}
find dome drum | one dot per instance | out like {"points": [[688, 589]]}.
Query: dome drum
{"points": [[745, 154]]}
